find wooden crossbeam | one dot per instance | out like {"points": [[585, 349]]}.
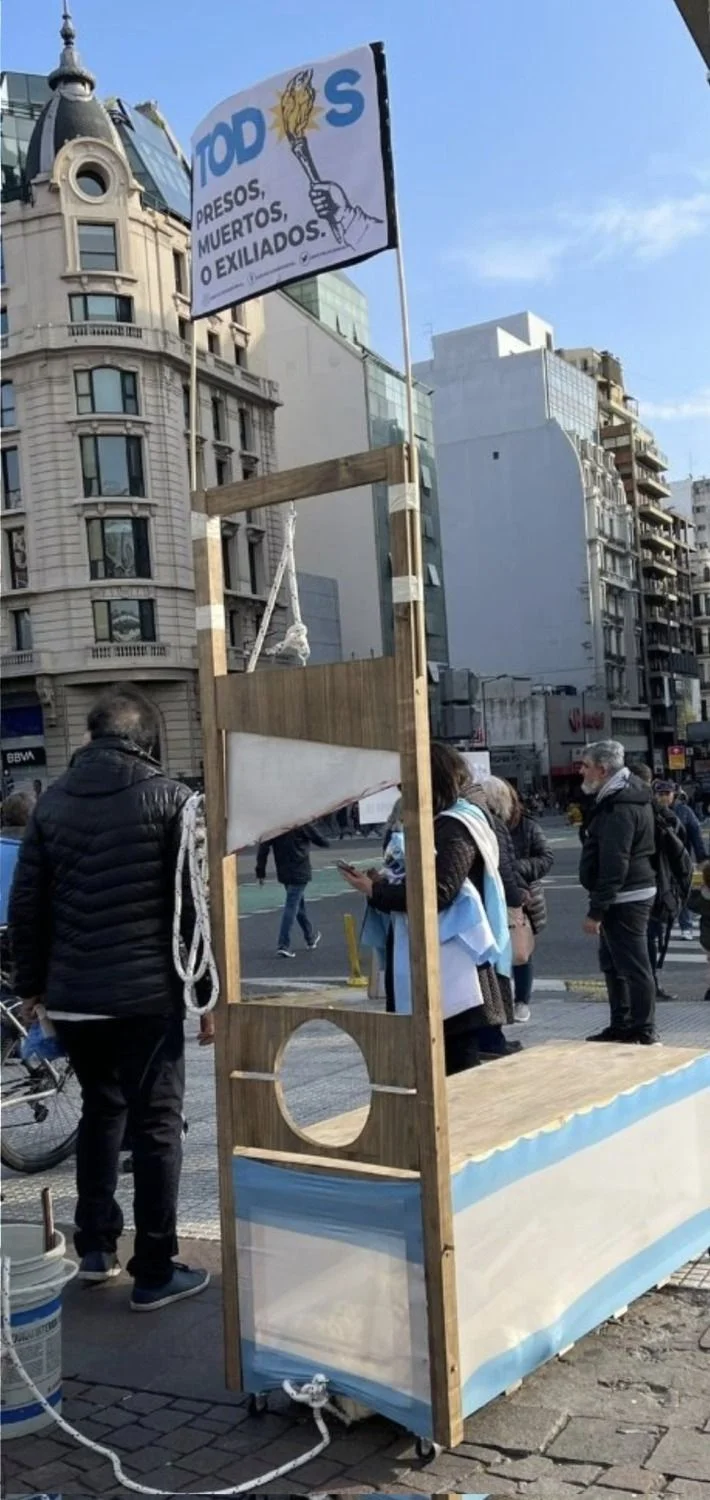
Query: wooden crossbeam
{"points": [[375, 466], [340, 703]]}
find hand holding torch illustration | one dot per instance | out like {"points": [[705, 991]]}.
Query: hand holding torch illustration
{"points": [[297, 106]]}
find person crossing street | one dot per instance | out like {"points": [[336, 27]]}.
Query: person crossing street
{"points": [[292, 858]]}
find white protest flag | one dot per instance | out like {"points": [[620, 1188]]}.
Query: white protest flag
{"points": [[290, 178]]}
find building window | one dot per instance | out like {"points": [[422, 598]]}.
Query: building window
{"points": [[222, 470], [240, 356], [213, 343], [246, 430], [433, 575], [254, 553], [124, 620], [118, 548], [91, 182], [183, 330], [97, 247], [17, 557], [4, 326], [8, 415], [235, 630], [99, 308], [22, 629], [238, 314], [218, 422], [180, 272], [3, 278], [106, 389], [186, 404], [11, 492], [112, 466]]}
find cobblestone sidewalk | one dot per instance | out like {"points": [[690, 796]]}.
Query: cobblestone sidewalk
{"points": [[626, 1412]]}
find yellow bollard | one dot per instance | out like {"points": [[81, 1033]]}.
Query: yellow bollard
{"points": [[357, 979]]}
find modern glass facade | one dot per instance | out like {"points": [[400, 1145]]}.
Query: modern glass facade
{"points": [[337, 302], [22, 99], [387, 414], [571, 397]]}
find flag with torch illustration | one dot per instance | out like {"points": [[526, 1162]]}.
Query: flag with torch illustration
{"points": [[297, 112]]}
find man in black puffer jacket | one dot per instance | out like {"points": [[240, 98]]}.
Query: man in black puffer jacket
{"points": [[91, 913], [617, 869]]}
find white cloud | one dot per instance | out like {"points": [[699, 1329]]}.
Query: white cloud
{"points": [[514, 259], [638, 232], [685, 409]]}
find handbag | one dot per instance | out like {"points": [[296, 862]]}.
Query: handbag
{"points": [[522, 937], [537, 907]]}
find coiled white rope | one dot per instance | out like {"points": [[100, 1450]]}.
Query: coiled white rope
{"points": [[193, 964], [314, 1393]]}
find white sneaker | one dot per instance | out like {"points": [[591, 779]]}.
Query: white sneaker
{"points": [[688, 936], [285, 953], [522, 1013]]}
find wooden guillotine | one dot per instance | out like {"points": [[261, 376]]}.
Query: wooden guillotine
{"points": [[428, 1257]]}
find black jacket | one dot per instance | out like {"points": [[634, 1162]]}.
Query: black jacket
{"points": [[533, 855], [457, 859], [618, 853], [91, 907], [291, 854]]}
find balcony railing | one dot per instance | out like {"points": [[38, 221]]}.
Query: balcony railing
{"points": [[650, 453], [16, 661], [12, 500], [130, 651], [107, 330]]}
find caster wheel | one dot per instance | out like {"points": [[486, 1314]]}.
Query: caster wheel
{"points": [[258, 1404], [427, 1451]]}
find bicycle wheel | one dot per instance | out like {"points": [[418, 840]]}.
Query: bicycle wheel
{"points": [[40, 1118]]}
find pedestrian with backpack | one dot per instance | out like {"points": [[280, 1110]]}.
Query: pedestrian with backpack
{"points": [[617, 869]]}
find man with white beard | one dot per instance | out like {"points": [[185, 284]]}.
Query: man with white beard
{"points": [[617, 869]]}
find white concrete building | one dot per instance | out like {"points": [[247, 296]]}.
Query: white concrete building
{"points": [[338, 397], [95, 407], [537, 539], [692, 497]]}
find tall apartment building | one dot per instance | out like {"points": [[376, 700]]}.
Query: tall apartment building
{"points": [[537, 537], [691, 497], [663, 549], [339, 397], [95, 413]]}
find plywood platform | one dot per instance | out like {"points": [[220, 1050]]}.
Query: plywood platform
{"points": [[540, 1088]]}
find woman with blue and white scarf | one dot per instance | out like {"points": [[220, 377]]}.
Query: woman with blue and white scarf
{"points": [[473, 919]]}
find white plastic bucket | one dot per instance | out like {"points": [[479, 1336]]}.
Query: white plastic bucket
{"points": [[37, 1278]]}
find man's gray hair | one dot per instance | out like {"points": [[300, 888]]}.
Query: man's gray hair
{"points": [[609, 754]]}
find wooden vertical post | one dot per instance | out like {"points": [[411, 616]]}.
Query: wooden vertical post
{"points": [[212, 663], [413, 718]]}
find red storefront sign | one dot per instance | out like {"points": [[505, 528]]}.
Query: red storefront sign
{"points": [[579, 720]]}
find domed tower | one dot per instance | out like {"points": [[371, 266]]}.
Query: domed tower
{"points": [[95, 412], [72, 111]]}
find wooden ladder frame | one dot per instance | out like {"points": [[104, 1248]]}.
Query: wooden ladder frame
{"points": [[380, 704]]}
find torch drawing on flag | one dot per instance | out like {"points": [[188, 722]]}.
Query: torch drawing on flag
{"points": [[298, 107]]}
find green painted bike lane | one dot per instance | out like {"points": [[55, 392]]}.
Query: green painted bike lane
{"points": [[326, 883]]}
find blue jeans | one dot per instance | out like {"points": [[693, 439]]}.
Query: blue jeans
{"points": [[294, 909], [685, 920]]}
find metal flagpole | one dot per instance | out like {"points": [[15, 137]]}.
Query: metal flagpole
{"points": [[193, 407]]}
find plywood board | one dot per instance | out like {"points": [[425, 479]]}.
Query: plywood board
{"points": [[537, 1089], [389, 1134], [327, 477], [261, 1031], [341, 703]]}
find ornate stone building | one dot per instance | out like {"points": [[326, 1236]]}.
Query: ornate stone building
{"points": [[98, 583]]}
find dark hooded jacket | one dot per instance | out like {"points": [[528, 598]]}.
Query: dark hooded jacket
{"points": [[91, 907], [618, 854]]}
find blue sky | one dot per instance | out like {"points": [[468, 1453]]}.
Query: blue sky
{"points": [[550, 154]]}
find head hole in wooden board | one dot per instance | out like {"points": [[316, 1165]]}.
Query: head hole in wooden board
{"points": [[323, 1085]]}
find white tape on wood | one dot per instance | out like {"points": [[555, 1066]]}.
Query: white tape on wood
{"points": [[210, 617], [407, 589], [402, 497], [204, 527]]}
